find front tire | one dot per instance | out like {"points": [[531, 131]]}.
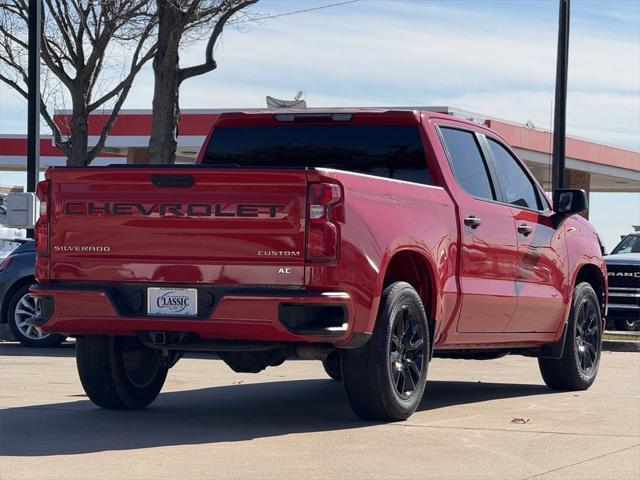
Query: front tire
{"points": [[21, 307], [578, 366], [119, 372], [385, 379]]}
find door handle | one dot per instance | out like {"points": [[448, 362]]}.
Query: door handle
{"points": [[525, 229], [472, 221]]}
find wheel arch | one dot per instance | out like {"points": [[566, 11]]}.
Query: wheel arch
{"points": [[413, 267], [594, 276]]}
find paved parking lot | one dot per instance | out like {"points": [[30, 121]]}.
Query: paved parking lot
{"points": [[491, 419]]}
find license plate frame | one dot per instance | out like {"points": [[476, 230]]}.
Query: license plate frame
{"points": [[172, 302]]}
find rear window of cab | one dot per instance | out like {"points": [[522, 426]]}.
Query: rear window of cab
{"points": [[389, 151]]}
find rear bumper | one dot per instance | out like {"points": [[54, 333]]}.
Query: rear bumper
{"points": [[247, 314]]}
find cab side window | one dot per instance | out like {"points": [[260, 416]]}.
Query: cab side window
{"points": [[466, 160], [518, 187]]}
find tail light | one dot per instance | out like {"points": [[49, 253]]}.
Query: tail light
{"points": [[42, 224], [322, 233], [5, 263]]}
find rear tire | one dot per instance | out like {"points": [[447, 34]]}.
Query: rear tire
{"points": [[578, 366], [333, 365], [627, 324], [385, 379], [119, 372], [20, 308]]}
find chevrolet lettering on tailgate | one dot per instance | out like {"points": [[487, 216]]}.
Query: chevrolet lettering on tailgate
{"points": [[175, 209]]}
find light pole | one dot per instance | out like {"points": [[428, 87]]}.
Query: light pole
{"points": [[33, 100], [558, 179]]}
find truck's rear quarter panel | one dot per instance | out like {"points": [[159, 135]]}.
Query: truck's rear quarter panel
{"points": [[382, 218]]}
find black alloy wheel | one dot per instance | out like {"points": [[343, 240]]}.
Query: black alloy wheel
{"points": [[406, 351], [587, 341], [577, 367], [385, 379]]}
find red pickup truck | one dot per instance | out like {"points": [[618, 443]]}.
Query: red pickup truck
{"points": [[368, 239]]}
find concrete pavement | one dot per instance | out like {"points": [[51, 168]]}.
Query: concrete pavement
{"points": [[480, 419]]}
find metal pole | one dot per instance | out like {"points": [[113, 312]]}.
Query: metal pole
{"points": [[33, 101], [560, 115]]}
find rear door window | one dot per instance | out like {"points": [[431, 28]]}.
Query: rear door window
{"points": [[389, 151], [518, 187], [467, 162]]}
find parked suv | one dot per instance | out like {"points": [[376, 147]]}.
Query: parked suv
{"points": [[623, 267], [370, 239]]}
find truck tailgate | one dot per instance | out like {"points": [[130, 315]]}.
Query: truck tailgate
{"points": [[178, 225]]}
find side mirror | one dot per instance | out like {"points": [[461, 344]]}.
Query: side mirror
{"points": [[567, 201]]}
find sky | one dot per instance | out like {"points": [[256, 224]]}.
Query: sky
{"points": [[492, 57]]}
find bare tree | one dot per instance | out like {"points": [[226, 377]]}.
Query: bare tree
{"points": [[80, 40], [175, 19]]}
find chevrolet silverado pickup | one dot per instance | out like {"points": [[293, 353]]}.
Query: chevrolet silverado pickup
{"points": [[368, 239]]}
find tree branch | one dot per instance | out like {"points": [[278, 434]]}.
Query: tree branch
{"points": [[136, 65], [123, 84], [210, 63], [57, 137], [93, 152], [12, 37], [56, 67], [76, 40], [63, 145], [13, 84], [63, 25], [12, 62]]}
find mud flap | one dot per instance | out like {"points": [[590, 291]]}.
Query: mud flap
{"points": [[554, 350]]}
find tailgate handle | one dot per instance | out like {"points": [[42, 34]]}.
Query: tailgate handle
{"points": [[172, 180]]}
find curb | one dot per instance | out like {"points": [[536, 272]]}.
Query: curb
{"points": [[621, 341], [620, 346]]}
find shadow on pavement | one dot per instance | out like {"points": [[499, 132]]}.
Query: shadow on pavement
{"points": [[210, 415], [14, 349]]}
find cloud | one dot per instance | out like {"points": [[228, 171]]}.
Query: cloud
{"points": [[438, 47]]}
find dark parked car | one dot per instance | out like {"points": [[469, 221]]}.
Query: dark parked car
{"points": [[16, 305], [623, 267]]}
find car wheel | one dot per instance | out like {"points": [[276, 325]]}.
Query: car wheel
{"points": [[22, 306], [385, 379], [627, 324], [333, 365], [578, 366]]}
